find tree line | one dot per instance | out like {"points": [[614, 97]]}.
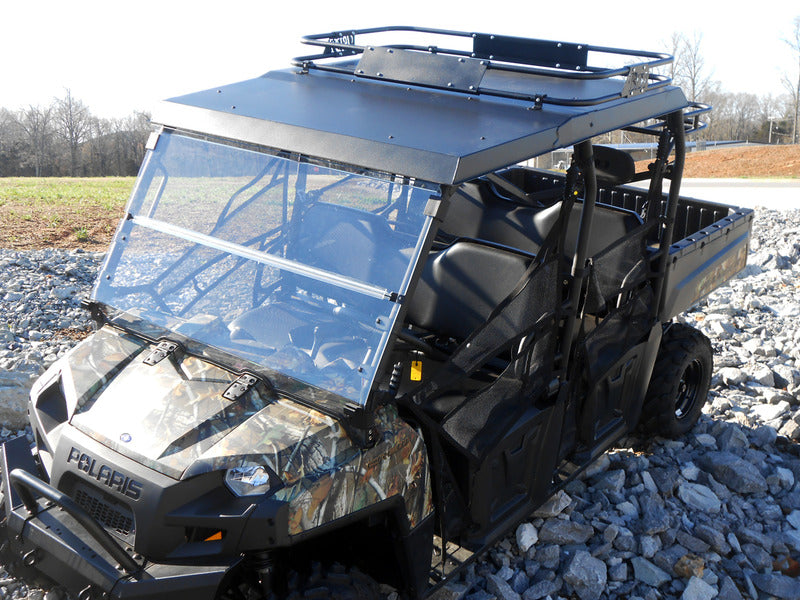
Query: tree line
{"points": [[738, 116], [64, 138]]}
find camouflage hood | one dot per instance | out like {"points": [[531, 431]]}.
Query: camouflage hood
{"points": [[172, 417]]}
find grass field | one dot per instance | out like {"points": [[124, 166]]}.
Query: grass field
{"points": [[61, 212], [84, 212]]}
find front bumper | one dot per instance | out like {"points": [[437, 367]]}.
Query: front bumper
{"points": [[45, 533]]}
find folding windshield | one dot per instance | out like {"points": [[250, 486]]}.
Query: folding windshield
{"points": [[295, 266]]}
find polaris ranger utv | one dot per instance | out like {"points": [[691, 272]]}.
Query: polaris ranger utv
{"points": [[344, 338]]}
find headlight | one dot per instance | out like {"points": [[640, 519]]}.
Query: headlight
{"points": [[248, 481]]}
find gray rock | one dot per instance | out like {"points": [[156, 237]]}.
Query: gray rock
{"points": [[625, 542], [587, 576], [714, 538], [500, 588], [736, 473], [526, 536], [648, 482], [793, 519], [665, 479], [655, 518], [548, 556], [540, 589], [618, 572], [732, 375], [763, 436], [649, 545], [668, 557], [757, 556], [519, 582], [697, 589], [690, 471], [554, 506], [613, 481], [751, 536], [562, 532], [775, 584], [699, 497], [789, 375], [732, 438], [791, 538], [770, 412], [734, 542], [763, 375], [790, 430], [728, 590], [691, 543], [648, 573]]}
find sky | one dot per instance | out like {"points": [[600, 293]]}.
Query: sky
{"points": [[118, 56]]}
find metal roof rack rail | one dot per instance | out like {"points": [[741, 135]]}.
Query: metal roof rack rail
{"points": [[464, 70], [691, 121]]}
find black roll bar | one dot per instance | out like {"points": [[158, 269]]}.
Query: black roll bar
{"points": [[675, 124]]}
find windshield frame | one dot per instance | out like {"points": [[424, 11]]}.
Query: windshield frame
{"points": [[139, 217]]}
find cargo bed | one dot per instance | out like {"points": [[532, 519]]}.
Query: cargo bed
{"points": [[709, 241], [709, 246]]}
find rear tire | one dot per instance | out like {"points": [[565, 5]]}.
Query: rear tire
{"points": [[679, 384]]}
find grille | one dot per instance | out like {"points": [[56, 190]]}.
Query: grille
{"points": [[114, 516]]}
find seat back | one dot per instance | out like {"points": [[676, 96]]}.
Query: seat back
{"points": [[461, 285], [476, 212]]}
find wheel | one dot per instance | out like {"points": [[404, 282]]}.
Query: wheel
{"points": [[680, 382], [335, 582]]}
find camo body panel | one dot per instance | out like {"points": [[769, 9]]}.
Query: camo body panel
{"points": [[396, 465], [172, 417]]}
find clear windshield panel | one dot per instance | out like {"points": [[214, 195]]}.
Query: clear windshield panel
{"points": [[294, 266]]}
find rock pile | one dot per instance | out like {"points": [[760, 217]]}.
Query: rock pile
{"points": [[40, 317], [715, 514]]}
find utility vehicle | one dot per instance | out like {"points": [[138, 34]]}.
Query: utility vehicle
{"points": [[347, 338]]}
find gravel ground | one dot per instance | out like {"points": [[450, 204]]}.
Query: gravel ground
{"points": [[715, 514]]}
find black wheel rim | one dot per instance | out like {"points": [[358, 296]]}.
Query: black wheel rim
{"points": [[688, 389]]}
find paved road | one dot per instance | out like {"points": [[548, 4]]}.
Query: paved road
{"points": [[769, 193]]}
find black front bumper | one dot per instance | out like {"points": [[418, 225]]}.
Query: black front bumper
{"points": [[45, 533]]}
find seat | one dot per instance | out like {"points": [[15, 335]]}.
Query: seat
{"points": [[461, 285], [477, 212]]}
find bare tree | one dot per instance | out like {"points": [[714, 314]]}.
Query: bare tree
{"points": [[690, 68], [674, 47], [745, 116], [792, 84], [36, 124], [74, 122], [11, 144]]}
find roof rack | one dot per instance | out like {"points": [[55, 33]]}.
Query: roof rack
{"points": [[464, 70], [691, 121]]}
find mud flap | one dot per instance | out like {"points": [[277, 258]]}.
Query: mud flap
{"points": [[48, 539]]}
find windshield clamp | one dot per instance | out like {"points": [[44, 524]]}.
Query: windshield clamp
{"points": [[160, 352], [240, 387]]}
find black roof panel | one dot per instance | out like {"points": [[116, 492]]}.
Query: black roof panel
{"points": [[413, 129]]}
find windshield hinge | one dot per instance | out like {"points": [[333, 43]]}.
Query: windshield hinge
{"points": [[359, 424], [95, 311], [240, 387], [160, 352]]}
